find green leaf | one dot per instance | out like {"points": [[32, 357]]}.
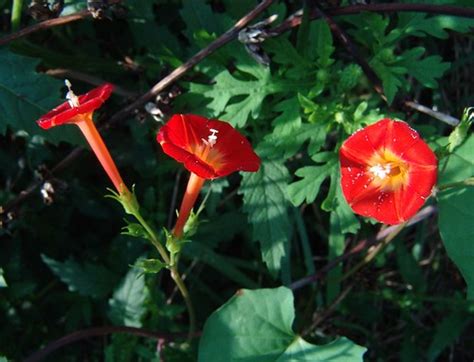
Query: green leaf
{"points": [[89, 279], [289, 133], [456, 229], [3, 283], [126, 307], [308, 188], [250, 93], [456, 212], [26, 95], [323, 44], [426, 70], [256, 326], [3, 359], [459, 165], [267, 207], [150, 266]]}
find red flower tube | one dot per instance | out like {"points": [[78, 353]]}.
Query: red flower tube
{"points": [[387, 171], [79, 111], [208, 149]]}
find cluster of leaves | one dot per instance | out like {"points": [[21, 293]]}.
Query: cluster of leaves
{"points": [[66, 266]]}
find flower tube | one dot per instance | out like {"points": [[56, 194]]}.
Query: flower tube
{"points": [[79, 110], [387, 171], [208, 149]]}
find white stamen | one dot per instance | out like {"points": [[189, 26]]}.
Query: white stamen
{"points": [[380, 171], [212, 138], [72, 99]]}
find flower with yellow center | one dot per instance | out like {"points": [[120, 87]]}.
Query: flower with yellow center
{"points": [[387, 171]]}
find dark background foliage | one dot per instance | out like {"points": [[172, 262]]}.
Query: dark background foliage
{"points": [[62, 255]]}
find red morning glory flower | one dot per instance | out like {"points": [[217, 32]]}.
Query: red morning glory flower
{"points": [[208, 149], [387, 171], [79, 110]]}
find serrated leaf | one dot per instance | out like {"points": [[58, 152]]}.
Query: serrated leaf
{"points": [[126, 307], [308, 187], [426, 70], [251, 93], [289, 133], [256, 326], [88, 279], [390, 77], [267, 207], [25, 95]]}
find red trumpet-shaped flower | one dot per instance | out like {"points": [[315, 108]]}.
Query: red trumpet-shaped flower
{"points": [[208, 149], [79, 110], [387, 171]]}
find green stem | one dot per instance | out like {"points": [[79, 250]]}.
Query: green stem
{"points": [[16, 14], [170, 261], [187, 299], [153, 237], [467, 182]]}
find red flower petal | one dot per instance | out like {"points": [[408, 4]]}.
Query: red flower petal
{"points": [[387, 171], [184, 138], [87, 103]]}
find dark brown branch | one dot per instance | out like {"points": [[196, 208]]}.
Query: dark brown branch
{"points": [[359, 247], [44, 25], [101, 331], [296, 18]]}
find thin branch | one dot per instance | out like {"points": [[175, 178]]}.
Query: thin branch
{"points": [[446, 118], [45, 25], [295, 19], [101, 331], [359, 247]]}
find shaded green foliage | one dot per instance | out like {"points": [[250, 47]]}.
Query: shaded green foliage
{"points": [[71, 265]]}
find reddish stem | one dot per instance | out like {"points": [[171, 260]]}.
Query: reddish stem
{"points": [[192, 191], [97, 144]]}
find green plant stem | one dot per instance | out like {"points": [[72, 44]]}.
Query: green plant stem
{"points": [[153, 237], [187, 299], [467, 182], [16, 14], [173, 270]]}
